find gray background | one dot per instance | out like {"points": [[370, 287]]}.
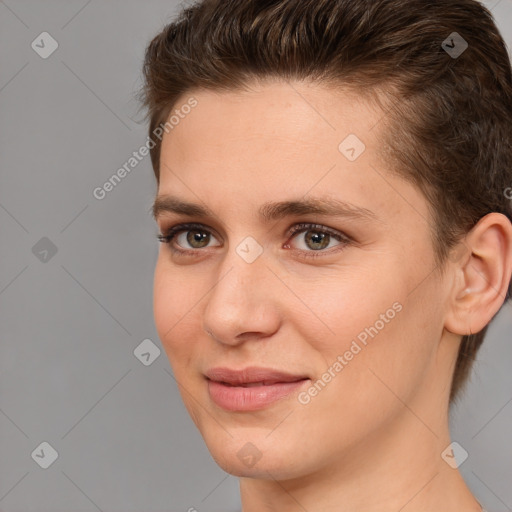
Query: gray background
{"points": [[69, 326]]}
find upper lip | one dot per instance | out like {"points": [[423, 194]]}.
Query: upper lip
{"points": [[251, 374]]}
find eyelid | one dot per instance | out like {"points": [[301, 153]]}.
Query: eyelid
{"points": [[169, 235], [311, 226]]}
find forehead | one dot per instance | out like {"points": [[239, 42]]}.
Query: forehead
{"points": [[279, 139], [289, 111]]}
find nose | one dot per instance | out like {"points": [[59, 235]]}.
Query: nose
{"points": [[242, 303]]}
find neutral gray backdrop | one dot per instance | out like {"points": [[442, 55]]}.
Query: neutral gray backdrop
{"points": [[71, 320]]}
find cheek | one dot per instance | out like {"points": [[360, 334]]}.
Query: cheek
{"points": [[164, 301], [172, 310], [395, 348], [384, 334], [358, 303]]}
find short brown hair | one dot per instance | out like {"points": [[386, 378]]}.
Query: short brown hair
{"points": [[449, 116]]}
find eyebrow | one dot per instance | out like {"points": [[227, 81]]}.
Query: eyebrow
{"points": [[269, 211]]}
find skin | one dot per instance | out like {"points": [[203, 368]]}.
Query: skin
{"points": [[372, 438]]}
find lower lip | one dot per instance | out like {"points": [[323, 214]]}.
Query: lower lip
{"points": [[237, 398]]}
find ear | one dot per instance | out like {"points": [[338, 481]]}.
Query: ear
{"points": [[482, 275]]}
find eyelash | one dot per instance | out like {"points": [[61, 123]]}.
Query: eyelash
{"points": [[171, 233]]}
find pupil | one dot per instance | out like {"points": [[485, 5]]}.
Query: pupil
{"points": [[320, 238], [197, 237]]}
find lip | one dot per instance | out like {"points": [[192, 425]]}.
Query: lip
{"points": [[251, 374], [228, 387]]}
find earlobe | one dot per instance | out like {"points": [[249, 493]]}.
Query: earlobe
{"points": [[483, 275]]}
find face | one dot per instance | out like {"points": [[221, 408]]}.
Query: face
{"points": [[344, 298]]}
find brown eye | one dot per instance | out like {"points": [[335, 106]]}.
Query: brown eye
{"points": [[315, 240], [185, 238], [197, 238]]}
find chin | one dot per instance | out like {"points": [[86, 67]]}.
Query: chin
{"points": [[263, 469], [254, 456]]}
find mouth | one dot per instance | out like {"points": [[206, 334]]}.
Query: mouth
{"points": [[252, 376], [255, 384], [251, 389]]}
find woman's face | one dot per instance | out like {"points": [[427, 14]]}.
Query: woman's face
{"points": [[353, 304]]}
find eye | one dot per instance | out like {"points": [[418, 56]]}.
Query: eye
{"points": [[196, 236], [317, 238]]}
